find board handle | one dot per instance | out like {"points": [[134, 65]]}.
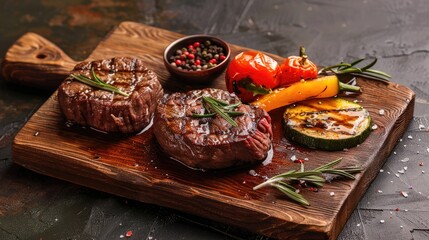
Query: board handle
{"points": [[33, 61]]}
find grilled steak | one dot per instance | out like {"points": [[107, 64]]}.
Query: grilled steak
{"points": [[105, 110], [211, 142]]}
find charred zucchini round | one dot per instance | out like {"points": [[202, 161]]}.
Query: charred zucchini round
{"points": [[329, 124]]}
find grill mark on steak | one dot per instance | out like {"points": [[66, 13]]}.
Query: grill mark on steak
{"points": [[211, 143], [104, 110]]}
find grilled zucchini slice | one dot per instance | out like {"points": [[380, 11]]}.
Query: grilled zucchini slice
{"points": [[329, 124]]}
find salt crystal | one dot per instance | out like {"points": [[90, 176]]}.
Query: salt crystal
{"points": [[405, 159], [381, 111], [421, 126], [244, 182], [400, 140], [401, 171], [427, 149], [253, 173], [391, 213], [306, 159], [381, 221], [358, 225], [406, 210], [405, 145], [410, 137], [405, 168], [331, 193], [379, 191], [381, 170], [394, 153], [423, 171], [374, 127], [121, 236], [391, 181], [388, 172], [397, 175], [293, 158], [405, 194]]}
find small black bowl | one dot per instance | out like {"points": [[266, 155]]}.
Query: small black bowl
{"points": [[202, 76]]}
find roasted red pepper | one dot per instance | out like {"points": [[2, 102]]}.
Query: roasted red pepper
{"points": [[295, 68], [250, 74]]}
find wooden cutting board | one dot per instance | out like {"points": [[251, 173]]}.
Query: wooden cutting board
{"points": [[135, 168]]}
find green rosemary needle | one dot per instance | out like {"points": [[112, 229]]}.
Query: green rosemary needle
{"points": [[282, 182], [96, 82], [218, 107], [350, 68]]}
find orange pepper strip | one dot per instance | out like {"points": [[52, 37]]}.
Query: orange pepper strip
{"points": [[322, 87]]}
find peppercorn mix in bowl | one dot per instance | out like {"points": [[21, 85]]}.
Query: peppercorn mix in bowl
{"points": [[197, 58]]}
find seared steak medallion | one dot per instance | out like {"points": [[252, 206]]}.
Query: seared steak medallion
{"points": [[105, 110], [211, 142]]}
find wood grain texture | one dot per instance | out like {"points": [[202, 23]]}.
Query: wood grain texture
{"points": [[33, 61], [134, 167]]}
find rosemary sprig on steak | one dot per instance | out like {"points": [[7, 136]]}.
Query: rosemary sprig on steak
{"points": [[284, 182], [96, 82], [221, 108]]}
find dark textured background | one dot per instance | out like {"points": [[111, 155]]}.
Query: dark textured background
{"points": [[33, 206]]}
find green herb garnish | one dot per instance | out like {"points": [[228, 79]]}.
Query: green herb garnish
{"points": [[96, 82], [221, 108], [283, 182], [350, 68]]}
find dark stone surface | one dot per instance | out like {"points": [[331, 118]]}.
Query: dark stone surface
{"points": [[34, 206]]}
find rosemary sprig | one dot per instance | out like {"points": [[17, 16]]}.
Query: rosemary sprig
{"points": [[218, 107], [350, 68], [283, 182], [97, 83]]}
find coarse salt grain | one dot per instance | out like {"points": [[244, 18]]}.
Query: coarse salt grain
{"points": [[381, 221], [293, 158], [405, 159], [253, 173], [381, 170], [358, 225], [404, 194], [410, 137], [381, 111], [331, 193], [397, 175], [374, 127], [380, 191], [121, 236], [401, 226], [421, 126], [405, 168], [401, 171]]}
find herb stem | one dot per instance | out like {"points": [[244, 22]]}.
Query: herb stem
{"points": [[96, 82], [314, 177]]}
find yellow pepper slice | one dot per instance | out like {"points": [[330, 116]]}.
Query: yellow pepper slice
{"points": [[322, 87]]}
